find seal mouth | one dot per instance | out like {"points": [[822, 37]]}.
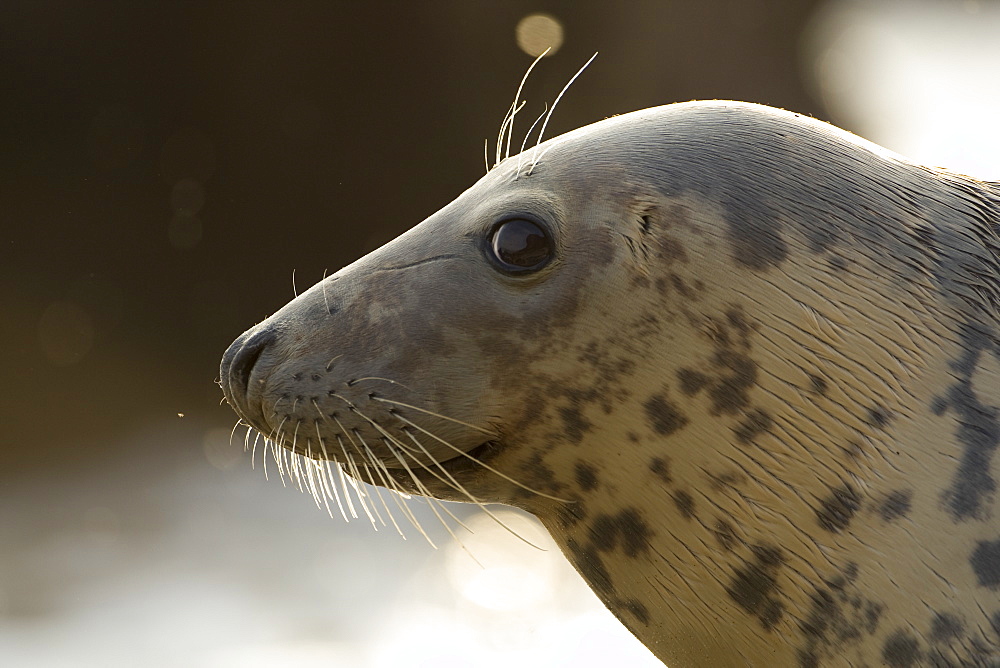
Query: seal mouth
{"points": [[439, 478]]}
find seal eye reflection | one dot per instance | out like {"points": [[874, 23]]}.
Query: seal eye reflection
{"points": [[519, 246]]}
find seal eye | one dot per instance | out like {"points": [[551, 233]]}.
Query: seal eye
{"points": [[519, 246]]}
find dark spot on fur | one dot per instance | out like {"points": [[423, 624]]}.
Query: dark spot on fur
{"points": [[939, 406], [818, 384], [756, 422], [978, 430], [603, 533], [638, 610], [673, 250], [635, 532], [685, 504], [878, 417], [729, 392], [728, 479], [725, 534], [807, 659], [901, 650], [995, 622], [838, 263], [691, 381], [896, 504], [756, 238], [837, 510], [662, 286], [681, 286], [945, 627], [754, 587], [574, 424], [985, 562], [627, 529], [660, 466], [664, 417], [586, 476], [535, 473]]}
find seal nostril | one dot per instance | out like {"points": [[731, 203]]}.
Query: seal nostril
{"points": [[240, 359]]}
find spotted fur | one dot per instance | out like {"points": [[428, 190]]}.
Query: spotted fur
{"points": [[755, 396]]}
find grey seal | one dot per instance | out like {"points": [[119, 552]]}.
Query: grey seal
{"points": [[744, 367]]}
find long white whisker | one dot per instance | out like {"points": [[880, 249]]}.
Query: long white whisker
{"points": [[520, 154], [326, 300], [541, 133], [357, 482], [481, 463], [387, 380], [253, 453], [458, 486], [430, 503], [331, 462], [389, 484], [503, 129], [402, 506], [437, 415], [517, 96]]}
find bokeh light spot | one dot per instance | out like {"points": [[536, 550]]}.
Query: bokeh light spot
{"points": [[219, 451], [537, 32], [511, 574], [65, 333]]}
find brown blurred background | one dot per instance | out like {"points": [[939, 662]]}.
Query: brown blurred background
{"points": [[166, 171], [166, 166]]}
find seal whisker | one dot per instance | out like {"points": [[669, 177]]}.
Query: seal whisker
{"points": [[541, 133], [378, 493], [437, 415], [481, 463], [315, 481], [431, 501], [233, 432], [360, 492], [329, 482], [387, 380], [355, 475], [330, 462], [426, 493], [410, 453], [517, 96], [326, 299], [402, 506], [520, 154], [253, 451], [275, 437], [511, 112], [454, 484], [343, 482], [379, 467], [329, 364]]}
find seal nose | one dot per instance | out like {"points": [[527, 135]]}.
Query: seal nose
{"points": [[238, 363]]}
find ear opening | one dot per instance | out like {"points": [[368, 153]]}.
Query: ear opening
{"points": [[638, 235]]}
